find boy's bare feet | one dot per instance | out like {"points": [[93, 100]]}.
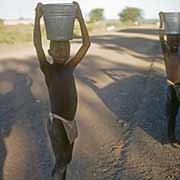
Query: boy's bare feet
{"points": [[174, 142], [59, 174]]}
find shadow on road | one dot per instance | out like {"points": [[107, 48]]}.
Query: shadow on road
{"points": [[145, 31], [135, 99], [13, 84], [120, 43], [28, 154]]}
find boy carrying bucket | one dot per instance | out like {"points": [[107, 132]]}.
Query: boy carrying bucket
{"points": [[170, 48], [60, 81]]}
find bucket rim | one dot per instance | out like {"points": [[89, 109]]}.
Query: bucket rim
{"points": [[58, 4], [167, 13], [58, 15], [172, 33]]}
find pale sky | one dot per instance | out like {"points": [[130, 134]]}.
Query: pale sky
{"points": [[13, 9]]}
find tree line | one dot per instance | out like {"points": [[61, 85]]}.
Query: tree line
{"points": [[129, 14]]}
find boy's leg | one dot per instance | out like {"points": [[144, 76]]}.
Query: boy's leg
{"points": [[172, 106], [61, 147]]}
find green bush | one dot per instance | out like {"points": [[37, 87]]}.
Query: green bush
{"points": [[131, 14], [96, 15], [17, 33]]}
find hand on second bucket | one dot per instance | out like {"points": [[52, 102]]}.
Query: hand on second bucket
{"points": [[39, 11], [78, 13]]}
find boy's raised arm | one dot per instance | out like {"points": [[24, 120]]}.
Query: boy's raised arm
{"points": [[37, 37], [164, 45], [85, 39]]}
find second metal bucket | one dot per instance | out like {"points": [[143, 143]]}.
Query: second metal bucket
{"points": [[59, 21], [172, 23]]}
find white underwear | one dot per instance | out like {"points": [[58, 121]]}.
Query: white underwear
{"points": [[169, 82], [69, 126]]}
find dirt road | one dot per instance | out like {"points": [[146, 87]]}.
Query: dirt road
{"points": [[121, 114]]}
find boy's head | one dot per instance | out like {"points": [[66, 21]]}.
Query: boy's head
{"points": [[173, 42], [59, 51]]}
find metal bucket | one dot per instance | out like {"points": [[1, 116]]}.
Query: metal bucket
{"points": [[59, 21], [172, 23]]}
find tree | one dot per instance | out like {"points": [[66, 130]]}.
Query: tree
{"points": [[131, 14], [96, 14]]}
